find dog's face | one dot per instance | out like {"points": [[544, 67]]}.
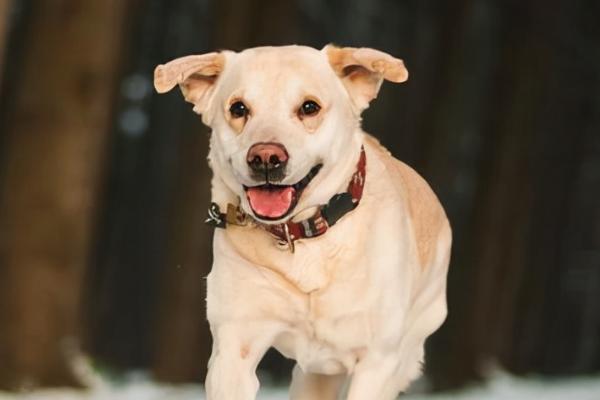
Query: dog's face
{"points": [[283, 118]]}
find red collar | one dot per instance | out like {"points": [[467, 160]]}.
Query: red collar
{"points": [[325, 217]]}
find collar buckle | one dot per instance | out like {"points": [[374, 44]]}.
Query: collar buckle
{"points": [[235, 216]]}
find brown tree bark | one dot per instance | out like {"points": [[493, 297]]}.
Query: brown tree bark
{"points": [[4, 14], [56, 143], [182, 337]]}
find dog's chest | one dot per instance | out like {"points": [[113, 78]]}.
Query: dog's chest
{"points": [[329, 306], [333, 330]]}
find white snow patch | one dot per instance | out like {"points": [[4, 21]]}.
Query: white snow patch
{"points": [[506, 387], [501, 387]]}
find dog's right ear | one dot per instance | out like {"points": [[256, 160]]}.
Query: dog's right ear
{"points": [[195, 75]]}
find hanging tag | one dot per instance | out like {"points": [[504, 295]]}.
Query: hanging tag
{"points": [[289, 239]]}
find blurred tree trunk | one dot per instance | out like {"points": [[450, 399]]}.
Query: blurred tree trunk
{"points": [[4, 14], [182, 337], [508, 292], [56, 143]]}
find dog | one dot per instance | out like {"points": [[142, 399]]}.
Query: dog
{"points": [[326, 247]]}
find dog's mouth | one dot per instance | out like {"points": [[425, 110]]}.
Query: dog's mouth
{"points": [[272, 202]]}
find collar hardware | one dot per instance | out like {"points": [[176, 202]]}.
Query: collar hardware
{"points": [[235, 216], [289, 238], [214, 217], [338, 206]]}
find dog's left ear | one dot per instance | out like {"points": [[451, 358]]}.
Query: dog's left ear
{"points": [[362, 70], [195, 75]]}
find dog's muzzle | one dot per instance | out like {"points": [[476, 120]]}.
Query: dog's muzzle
{"points": [[271, 201]]}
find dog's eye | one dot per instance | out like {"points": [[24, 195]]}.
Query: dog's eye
{"points": [[238, 110], [309, 108]]}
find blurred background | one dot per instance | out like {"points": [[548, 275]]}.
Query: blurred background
{"points": [[104, 184]]}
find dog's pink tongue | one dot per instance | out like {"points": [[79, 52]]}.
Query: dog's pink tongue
{"points": [[272, 202]]}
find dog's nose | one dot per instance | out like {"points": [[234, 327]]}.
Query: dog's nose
{"points": [[267, 161], [267, 153]]}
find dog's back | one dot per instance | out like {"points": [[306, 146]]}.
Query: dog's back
{"points": [[427, 215]]}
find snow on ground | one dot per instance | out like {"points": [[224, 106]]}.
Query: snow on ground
{"points": [[501, 387], [505, 387]]}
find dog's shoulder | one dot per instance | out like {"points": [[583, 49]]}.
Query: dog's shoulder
{"points": [[426, 213]]}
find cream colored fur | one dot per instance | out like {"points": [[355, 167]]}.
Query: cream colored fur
{"points": [[353, 307]]}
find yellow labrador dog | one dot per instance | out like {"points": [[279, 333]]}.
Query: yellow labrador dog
{"points": [[326, 248]]}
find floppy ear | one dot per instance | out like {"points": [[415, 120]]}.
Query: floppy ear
{"points": [[195, 75], [362, 70]]}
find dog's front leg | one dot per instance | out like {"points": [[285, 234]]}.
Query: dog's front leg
{"points": [[237, 350], [374, 378]]}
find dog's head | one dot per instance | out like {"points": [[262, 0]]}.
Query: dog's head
{"points": [[285, 120]]}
